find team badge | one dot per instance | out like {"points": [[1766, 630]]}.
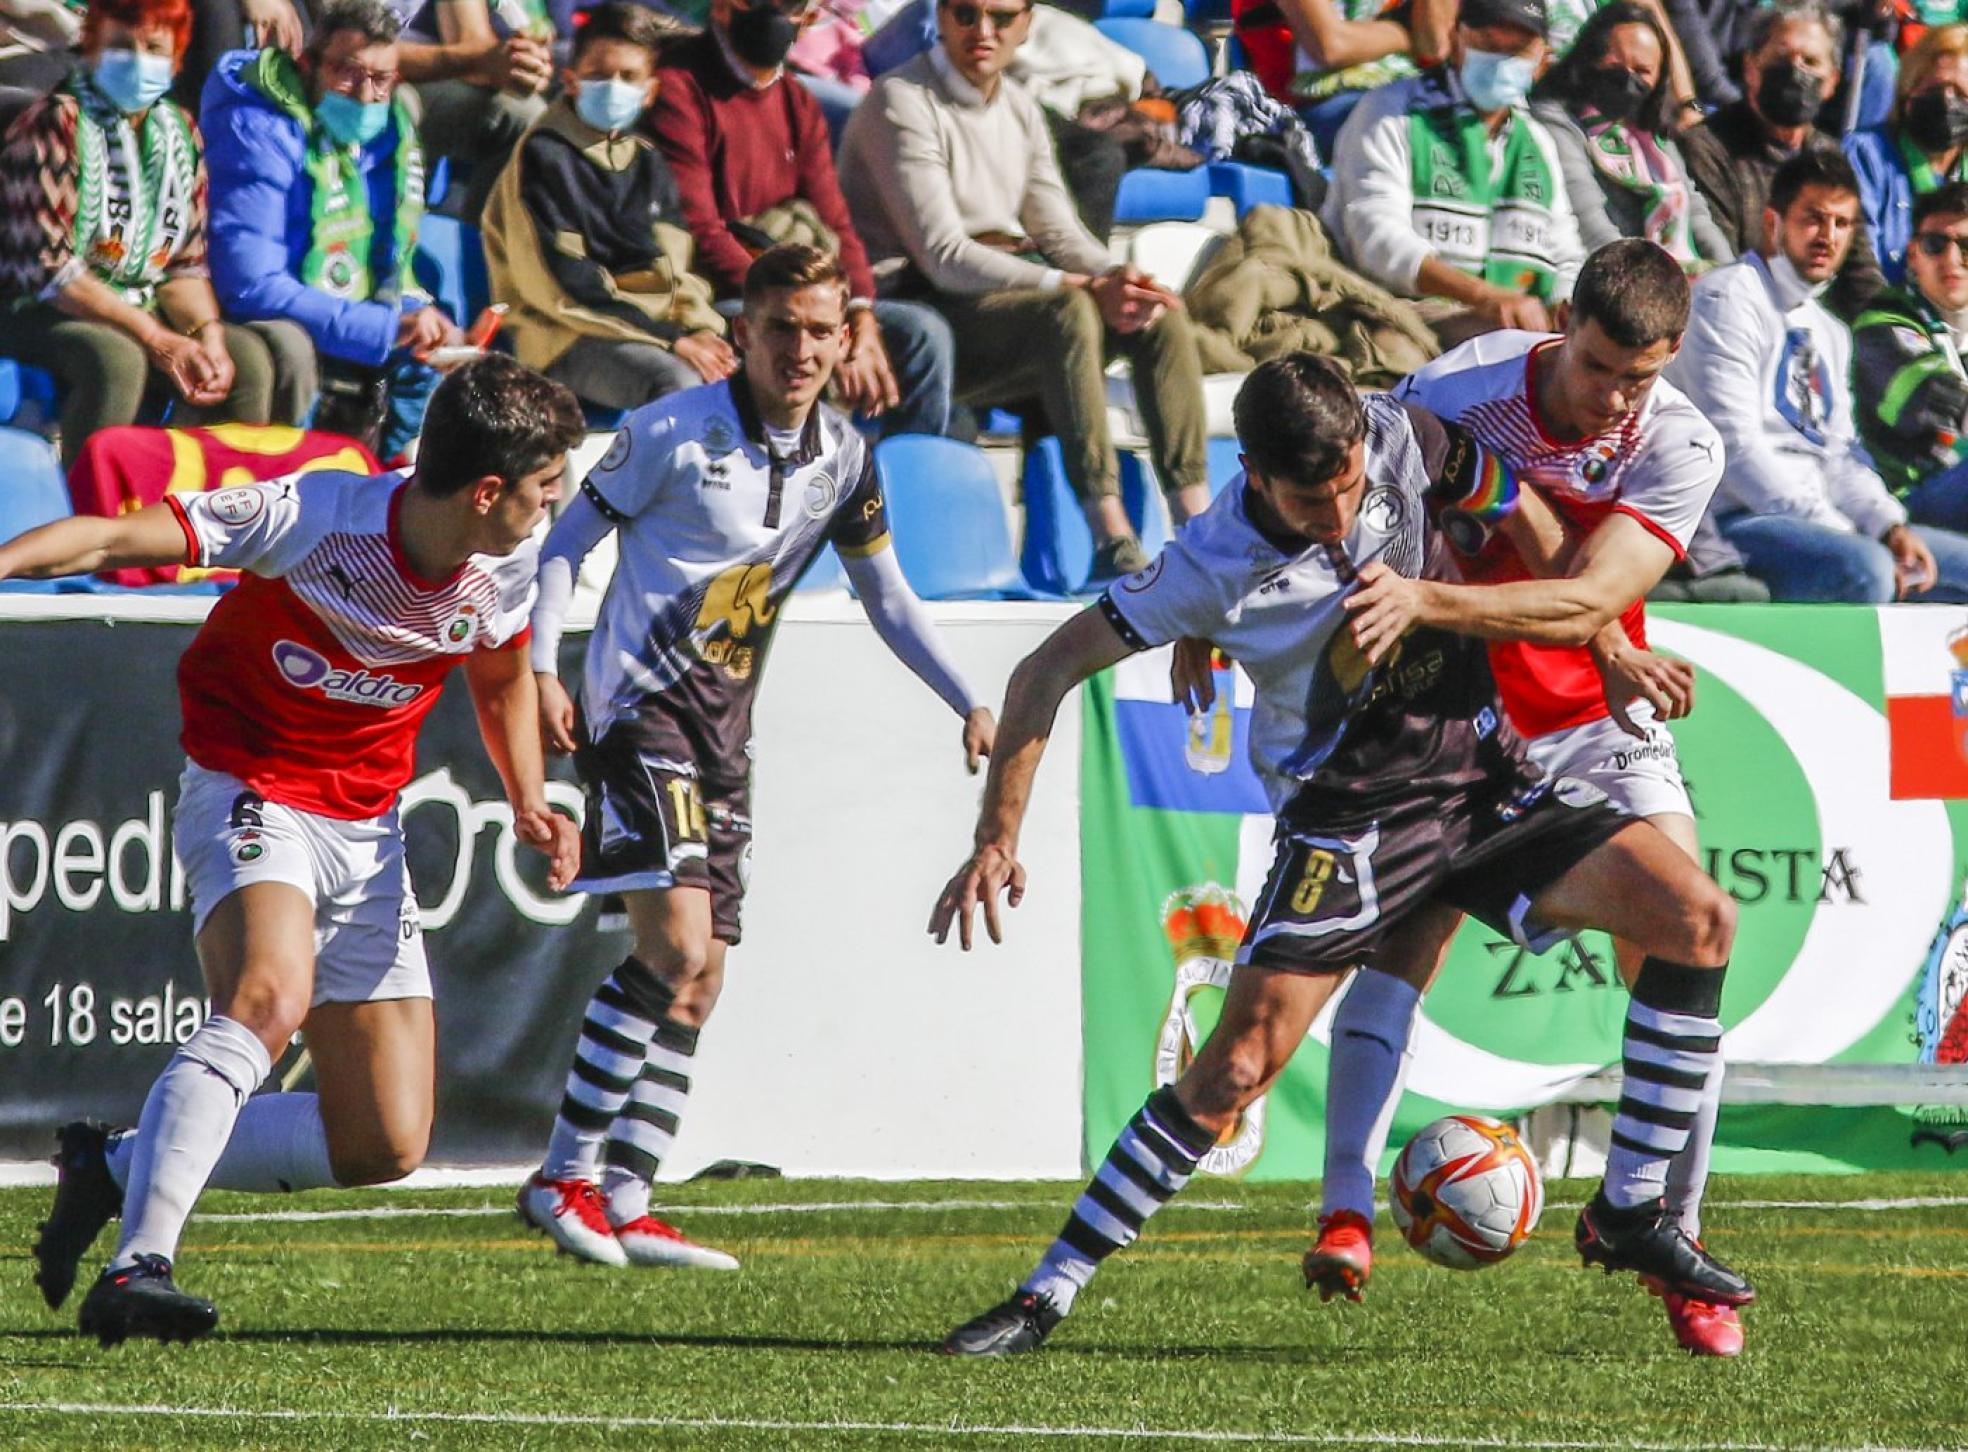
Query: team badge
{"points": [[237, 506], [248, 848], [821, 492], [1144, 577], [1595, 464], [618, 453], [1383, 510], [719, 436], [459, 630]]}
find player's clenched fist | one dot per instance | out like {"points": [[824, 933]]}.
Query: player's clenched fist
{"points": [[978, 882]]}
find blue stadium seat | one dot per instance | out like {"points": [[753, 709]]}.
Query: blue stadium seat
{"points": [[1249, 186], [1141, 497], [1127, 8], [952, 538], [451, 266], [1205, 14], [21, 384], [32, 493], [825, 573], [1176, 57], [1058, 553], [1223, 463]]}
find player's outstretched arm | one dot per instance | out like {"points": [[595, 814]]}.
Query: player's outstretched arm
{"points": [[1083, 645], [1619, 562], [508, 708], [906, 629], [86, 543]]}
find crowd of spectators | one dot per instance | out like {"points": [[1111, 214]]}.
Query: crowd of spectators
{"points": [[212, 213]]}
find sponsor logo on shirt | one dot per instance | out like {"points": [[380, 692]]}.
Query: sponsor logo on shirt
{"points": [[306, 670]]}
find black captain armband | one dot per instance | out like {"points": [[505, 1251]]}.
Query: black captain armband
{"points": [[602, 507], [1473, 494]]}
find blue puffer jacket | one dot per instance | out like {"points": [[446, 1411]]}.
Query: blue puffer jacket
{"points": [[260, 217]]}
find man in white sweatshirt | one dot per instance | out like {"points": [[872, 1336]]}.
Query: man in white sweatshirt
{"points": [[1771, 368]]}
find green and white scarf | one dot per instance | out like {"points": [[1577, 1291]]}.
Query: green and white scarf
{"points": [[135, 192], [1634, 159], [341, 226], [1493, 222], [1920, 171]]}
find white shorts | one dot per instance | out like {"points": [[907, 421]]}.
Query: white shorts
{"points": [[1642, 777], [368, 935]]}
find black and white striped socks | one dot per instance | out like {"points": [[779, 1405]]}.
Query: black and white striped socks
{"points": [[1673, 1039], [1149, 1164], [647, 1126], [622, 1018]]}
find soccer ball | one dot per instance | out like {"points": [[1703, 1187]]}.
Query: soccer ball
{"points": [[1465, 1192]]}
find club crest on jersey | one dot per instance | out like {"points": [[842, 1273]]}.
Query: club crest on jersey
{"points": [[719, 437], [1383, 510], [307, 670], [1595, 464], [618, 453], [237, 506], [459, 628], [247, 847], [821, 492]]}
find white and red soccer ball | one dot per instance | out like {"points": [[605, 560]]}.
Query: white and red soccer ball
{"points": [[1465, 1191]]}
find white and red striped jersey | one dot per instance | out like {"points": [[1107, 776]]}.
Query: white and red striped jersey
{"points": [[309, 680], [1659, 464]]}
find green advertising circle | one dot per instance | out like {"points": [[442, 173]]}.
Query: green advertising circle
{"points": [[1762, 842]]}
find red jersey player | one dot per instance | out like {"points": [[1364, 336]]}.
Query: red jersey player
{"points": [[302, 696]]}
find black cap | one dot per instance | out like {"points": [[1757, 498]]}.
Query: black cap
{"points": [[1524, 14]]}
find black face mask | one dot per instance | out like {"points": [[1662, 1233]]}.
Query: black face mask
{"points": [[1617, 93], [1788, 94], [1936, 120], [762, 36]]}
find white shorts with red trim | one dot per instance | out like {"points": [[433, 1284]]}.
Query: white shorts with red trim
{"points": [[1639, 775], [368, 935]]}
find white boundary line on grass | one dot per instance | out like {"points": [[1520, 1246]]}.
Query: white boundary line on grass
{"points": [[925, 1429], [816, 1207]]}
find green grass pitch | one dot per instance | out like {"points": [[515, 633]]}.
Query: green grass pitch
{"points": [[461, 1330]]}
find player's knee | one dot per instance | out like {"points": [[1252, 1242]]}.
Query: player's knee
{"points": [[272, 1004], [1711, 928], [1224, 1084], [678, 962], [380, 1161]]}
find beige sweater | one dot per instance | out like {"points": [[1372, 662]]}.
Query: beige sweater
{"points": [[927, 164]]}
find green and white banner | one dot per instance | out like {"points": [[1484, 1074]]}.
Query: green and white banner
{"points": [[1823, 757]]}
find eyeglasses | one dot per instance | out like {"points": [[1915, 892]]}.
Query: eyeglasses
{"points": [[354, 78], [791, 9], [1933, 244], [1002, 17]]}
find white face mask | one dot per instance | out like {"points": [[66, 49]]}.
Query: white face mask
{"points": [[1496, 82]]}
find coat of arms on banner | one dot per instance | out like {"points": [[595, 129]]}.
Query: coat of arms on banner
{"points": [[1204, 925], [1941, 1024]]}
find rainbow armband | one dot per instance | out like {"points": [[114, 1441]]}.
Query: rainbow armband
{"points": [[1477, 493]]}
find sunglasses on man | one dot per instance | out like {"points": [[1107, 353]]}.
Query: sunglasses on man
{"points": [[1933, 244], [1003, 17]]}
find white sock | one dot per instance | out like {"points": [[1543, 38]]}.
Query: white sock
{"points": [[1372, 1048], [627, 1194], [1687, 1172], [186, 1121], [278, 1145]]}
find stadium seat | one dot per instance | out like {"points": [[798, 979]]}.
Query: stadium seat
{"points": [[1141, 497], [19, 385], [952, 538], [1058, 553], [451, 266], [1249, 186], [34, 493], [1113, 9], [1171, 252], [1175, 57]]}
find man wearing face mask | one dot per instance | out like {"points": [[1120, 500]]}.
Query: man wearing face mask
{"points": [[317, 188], [1923, 145], [103, 278], [586, 238], [754, 165], [1770, 367], [1789, 71], [1446, 188]]}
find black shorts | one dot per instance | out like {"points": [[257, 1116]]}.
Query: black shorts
{"points": [[667, 807], [1334, 894]]}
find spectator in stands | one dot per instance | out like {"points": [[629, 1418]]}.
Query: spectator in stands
{"points": [[480, 79], [1610, 106], [317, 185], [1323, 55], [1910, 387], [1924, 144], [953, 179], [1769, 365], [102, 267], [1447, 189], [1789, 71], [587, 241], [753, 166]]}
